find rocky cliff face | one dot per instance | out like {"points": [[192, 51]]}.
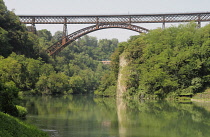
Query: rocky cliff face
{"points": [[121, 89], [122, 76]]}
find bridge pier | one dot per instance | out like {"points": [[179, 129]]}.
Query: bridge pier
{"points": [[33, 27], [129, 22], [97, 22], [163, 25], [65, 32], [199, 21], [199, 24]]}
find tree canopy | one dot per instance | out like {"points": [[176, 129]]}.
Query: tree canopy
{"points": [[168, 62]]}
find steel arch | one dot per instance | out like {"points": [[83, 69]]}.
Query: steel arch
{"points": [[61, 44]]}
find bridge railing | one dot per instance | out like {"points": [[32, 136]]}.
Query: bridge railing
{"points": [[94, 19]]}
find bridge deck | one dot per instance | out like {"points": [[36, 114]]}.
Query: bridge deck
{"points": [[94, 19]]}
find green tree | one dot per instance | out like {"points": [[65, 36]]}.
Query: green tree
{"points": [[10, 70], [45, 34], [165, 62], [8, 98], [77, 83], [55, 83], [13, 35], [57, 36]]}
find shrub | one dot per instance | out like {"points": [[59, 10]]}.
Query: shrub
{"points": [[22, 111], [8, 97]]}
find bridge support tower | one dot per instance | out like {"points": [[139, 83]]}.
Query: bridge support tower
{"points": [[65, 32], [164, 23], [199, 21], [33, 27]]}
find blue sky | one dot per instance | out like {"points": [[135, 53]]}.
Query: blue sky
{"points": [[92, 7]]}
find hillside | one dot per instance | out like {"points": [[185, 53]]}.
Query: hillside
{"points": [[166, 63]]}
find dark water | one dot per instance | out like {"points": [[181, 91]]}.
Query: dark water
{"points": [[85, 116]]}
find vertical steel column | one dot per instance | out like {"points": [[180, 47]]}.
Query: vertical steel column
{"points": [[65, 32], [164, 24], [199, 21], [129, 21], [97, 22], [33, 27]]}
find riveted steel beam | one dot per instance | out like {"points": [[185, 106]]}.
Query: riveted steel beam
{"points": [[59, 45], [135, 18]]}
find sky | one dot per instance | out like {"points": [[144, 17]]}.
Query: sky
{"points": [[104, 7]]}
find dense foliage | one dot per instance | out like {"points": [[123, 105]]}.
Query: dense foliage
{"points": [[8, 98], [81, 62], [13, 35], [25, 68], [170, 62], [76, 70], [108, 82]]}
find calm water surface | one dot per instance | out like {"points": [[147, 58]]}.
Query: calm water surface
{"points": [[86, 116]]}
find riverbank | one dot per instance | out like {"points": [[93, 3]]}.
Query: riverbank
{"points": [[202, 97], [11, 127]]}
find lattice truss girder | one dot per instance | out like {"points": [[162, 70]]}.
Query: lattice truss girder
{"points": [[152, 18]]}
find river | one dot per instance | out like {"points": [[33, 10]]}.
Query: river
{"points": [[88, 116]]}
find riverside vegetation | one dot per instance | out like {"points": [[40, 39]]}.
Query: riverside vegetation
{"points": [[25, 68], [162, 63]]}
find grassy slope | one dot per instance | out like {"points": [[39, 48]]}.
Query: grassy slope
{"points": [[12, 127]]}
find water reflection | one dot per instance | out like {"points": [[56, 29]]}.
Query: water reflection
{"points": [[165, 119], [82, 116], [75, 116], [122, 117]]}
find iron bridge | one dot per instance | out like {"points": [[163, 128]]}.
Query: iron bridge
{"points": [[107, 21]]}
